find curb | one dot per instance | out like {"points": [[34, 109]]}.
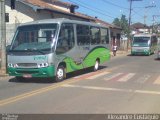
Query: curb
{"points": [[4, 75]]}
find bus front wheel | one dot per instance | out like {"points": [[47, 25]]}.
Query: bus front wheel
{"points": [[20, 78], [96, 66], [60, 74]]}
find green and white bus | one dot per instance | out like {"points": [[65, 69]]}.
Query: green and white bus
{"points": [[144, 44], [53, 47]]}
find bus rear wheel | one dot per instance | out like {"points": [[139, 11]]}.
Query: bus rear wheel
{"points": [[60, 74]]}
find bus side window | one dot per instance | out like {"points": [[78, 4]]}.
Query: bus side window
{"points": [[104, 36], [95, 35], [83, 37], [66, 39]]}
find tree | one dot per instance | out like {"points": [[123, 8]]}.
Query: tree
{"points": [[116, 22], [123, 23]]}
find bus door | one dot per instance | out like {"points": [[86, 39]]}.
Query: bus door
{"points": [[66, 42]]}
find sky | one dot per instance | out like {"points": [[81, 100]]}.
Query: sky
{"points": [[108, 10]]}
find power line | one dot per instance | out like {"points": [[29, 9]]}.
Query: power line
{"points": [[99, 11], [137, 13], [89, 8], [106, 1], [92, 6], [130, 12]]}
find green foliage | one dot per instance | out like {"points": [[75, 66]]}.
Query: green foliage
{"points": [[116, 22], [123, 23]]}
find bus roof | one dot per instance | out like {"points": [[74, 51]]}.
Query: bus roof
{"points": [[62, 20], [144, 35]]}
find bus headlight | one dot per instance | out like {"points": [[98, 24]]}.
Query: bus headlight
{"points": [[146, 50], [12, 65], [43, 65]]}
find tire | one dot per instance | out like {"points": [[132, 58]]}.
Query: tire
{"points": [[20, 78], [60, 74], [96, 66]]}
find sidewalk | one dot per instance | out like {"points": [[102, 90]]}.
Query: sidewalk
{"points": [[120, 53], [3, 74]]}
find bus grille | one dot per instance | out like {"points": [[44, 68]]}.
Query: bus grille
{"points": [[27, 72], [27, 65], [140, 50]]}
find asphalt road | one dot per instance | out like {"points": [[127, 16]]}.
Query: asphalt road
{"points": [[125, 84]]}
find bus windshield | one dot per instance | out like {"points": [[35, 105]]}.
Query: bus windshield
{"points": [[141, 41], [34, 37]]}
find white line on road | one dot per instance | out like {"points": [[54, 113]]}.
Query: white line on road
{"points": [[113, 89], [98, 75], [126, 77], [112, 76], [143, 79], [157, 81], [95, 88]]}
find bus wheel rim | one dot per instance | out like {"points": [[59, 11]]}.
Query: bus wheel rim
{"points": [[96, 65], [60, 73]]}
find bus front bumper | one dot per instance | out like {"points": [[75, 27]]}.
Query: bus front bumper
{"points": [[145, 52], [32, 72]]}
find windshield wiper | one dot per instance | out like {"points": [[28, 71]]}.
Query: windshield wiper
{"points": [[37, 50]]}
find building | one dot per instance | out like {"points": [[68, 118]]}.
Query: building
{"points": [[140, 28], [30, 10]]}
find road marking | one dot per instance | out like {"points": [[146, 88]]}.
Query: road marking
{"points": [[113, 89], [35, 92], [88, 75], [45, 89], [143, 79], [126, 77], [98, 75], [83, 75], [157, 81], [113, 76], [95, 88]]}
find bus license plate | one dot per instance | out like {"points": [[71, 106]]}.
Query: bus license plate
{"points": [[27, 76]]}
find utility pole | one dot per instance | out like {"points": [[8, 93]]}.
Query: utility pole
{"points": [[3, 37], [130, 13], [129, 21]]}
